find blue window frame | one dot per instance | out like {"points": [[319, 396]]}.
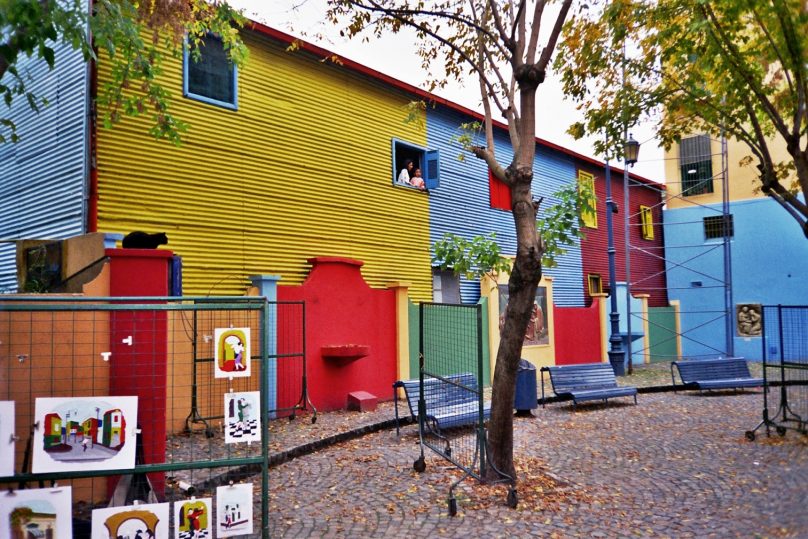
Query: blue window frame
{"points": [[427, 160], [212, 78]]}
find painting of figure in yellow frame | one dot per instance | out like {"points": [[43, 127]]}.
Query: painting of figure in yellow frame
{"points": [[232, 353]]}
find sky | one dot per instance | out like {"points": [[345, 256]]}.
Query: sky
{"points": [[395, 55]]}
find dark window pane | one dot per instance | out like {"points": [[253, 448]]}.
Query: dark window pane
{"points": [[713, 227], [212, 75]]}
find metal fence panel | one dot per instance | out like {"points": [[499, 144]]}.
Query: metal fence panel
{"points": [[785, 369], [194, 431]]}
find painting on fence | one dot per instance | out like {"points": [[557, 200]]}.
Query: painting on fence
{"points": [[192, 519], [84, 433], [7, 444], [234, 510], [42, 512], [232, 353], [131, 522], [242, 417]]}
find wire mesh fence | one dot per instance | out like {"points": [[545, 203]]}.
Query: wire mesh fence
{"points": [[785, 369], [452, 408], [161, 401]]}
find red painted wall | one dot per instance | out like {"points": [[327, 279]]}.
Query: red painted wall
{"points": [[647, 262], [342, 309], [140, 369], [577, 334]]}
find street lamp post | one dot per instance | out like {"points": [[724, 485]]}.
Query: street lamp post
{"points": [[631, 151], [617, 356]]}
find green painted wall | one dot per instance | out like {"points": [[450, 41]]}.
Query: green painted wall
{"points": [[662, 333]]}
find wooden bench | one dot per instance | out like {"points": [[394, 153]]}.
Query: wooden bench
{"points": [[724, 373], [586, 382], [451, 401]]}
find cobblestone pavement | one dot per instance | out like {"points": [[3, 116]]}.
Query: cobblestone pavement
{"points": [[676, 465]]}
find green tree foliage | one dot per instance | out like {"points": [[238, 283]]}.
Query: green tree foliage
{"points": [[733, 67], [480, 256], [506, 47], [133, 36]]}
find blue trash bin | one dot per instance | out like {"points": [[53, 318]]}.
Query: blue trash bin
{"points": [[525, 397]]}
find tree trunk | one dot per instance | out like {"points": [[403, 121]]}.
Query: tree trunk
{"points": [[522, 284]]}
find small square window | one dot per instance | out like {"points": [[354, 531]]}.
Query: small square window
{"points": [[211, 77], [445, 286], [595, 284], [415, 167], [647, 222], [718, 226], [589, 217]]}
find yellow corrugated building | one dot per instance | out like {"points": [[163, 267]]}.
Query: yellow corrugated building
{"points": [[301, 168]]}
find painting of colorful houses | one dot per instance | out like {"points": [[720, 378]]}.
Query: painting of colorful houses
{"points": [[84, 433]]}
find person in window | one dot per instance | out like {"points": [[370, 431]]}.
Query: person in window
{"points": [[417, 180], [404, 175]]}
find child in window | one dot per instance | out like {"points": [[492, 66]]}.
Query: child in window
{"points": [[417, 180]]}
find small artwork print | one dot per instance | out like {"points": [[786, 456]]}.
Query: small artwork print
{"points": [[234, 510], [6, 438], [146, 521], [232, 353], [193, 519], [43, 512], [537, 331], [749, 319], [84, 433], [242, 417]]}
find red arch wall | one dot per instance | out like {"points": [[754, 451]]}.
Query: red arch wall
{"points": [[341, 309]]}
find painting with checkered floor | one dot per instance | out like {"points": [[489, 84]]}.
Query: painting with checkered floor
{"points": [[242, 417]]}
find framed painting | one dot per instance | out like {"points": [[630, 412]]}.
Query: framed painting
{"points": [[231, 355], [41, 512], [193, 519], [84, 433], [234, 510], [7, 445], [145, 521], [537, 332], [242, 417]]}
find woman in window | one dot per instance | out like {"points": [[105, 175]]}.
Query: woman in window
{"points": [[404, 175]]}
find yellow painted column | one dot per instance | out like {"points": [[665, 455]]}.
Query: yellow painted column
{"points": [[676, 308], [603, 317], [401, 290], [489, 290], [646, 356]]}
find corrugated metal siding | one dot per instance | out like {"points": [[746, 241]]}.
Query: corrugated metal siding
{"points": [[647, 256], [42, 178], [302, 169], [461, 205]]}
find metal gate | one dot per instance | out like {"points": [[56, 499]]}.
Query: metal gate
{"points": [[453, 407], [785, 369], [83, 378]]}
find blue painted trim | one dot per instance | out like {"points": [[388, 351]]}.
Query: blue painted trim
{"points": [[268, 287]]}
